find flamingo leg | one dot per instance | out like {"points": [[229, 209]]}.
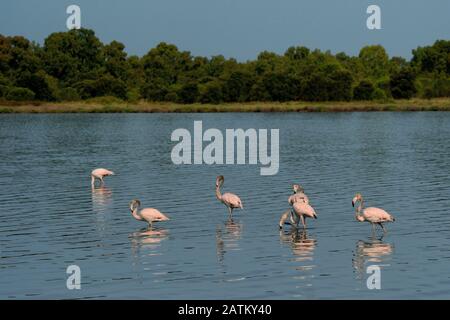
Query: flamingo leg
{"points": [[303, 221], [294, 221], [383, 227], [230, 211], [373, 228]]}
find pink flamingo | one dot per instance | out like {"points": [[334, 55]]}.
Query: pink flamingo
{"points": [[149, 215], [231, 200], [99, 174], [303, 211], [373, 215], [299, 195]]}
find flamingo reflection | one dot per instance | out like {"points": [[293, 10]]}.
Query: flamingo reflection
{"points": [[145, 244], [227, 238], [301, 245], [101, 198], [148, 238], [373, 251]]}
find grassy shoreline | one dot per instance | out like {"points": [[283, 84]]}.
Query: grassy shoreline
{"points": [[438, 104]]}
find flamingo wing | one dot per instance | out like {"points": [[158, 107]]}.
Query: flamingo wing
{"points": [[301, 208], [101, 172], [377, 215], [151, 214], [232, 200]]}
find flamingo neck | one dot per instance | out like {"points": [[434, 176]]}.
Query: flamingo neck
{"points": [[358, 210], [135, 214], [218, 194], [92, 181]]}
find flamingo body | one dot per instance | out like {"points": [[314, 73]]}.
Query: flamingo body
{"points": [[232, 200], [303, 211], [149, 215], [373, 215], [377, 215], [100, 173]]}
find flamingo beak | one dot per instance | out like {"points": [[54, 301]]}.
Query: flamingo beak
{"points": [[353, 203]]}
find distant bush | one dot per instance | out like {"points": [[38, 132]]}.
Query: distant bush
{"points": [[104, 86], [188, 93], [379, 94], [105, 100], [69, 94], [402, 84], [3, 90], [211, 92], [437, 85], [44, 86], [133, 95], [171, 96], [364, 90], [19, 94]]}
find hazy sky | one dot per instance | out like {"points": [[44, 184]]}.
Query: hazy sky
{"points": [[237, 28]]}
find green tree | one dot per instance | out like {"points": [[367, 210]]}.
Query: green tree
{"points": [[375, 61], [71, 56]]}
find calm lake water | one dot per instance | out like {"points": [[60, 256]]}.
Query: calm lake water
{"points": [[50, 218]]}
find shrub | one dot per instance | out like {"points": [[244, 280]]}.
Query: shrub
{"points": [[106, 85], [3, 90], [38, 83], [211, 92], [19, 94], [133, 95], [364, 90], [379, 94], [69, 94], [188, 93], [402, 84]]}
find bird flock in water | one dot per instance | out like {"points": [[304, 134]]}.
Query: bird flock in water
{"points": [[299, 210]]}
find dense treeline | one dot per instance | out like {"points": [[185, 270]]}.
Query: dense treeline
{"points": [[76, 65]]}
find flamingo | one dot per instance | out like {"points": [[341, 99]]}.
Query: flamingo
{"points": [[373, 215], [149, 215], [303, 211], [288, 214], [299, 195], [99, 174], [230, 200]]}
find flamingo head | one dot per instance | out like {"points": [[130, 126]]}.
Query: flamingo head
{"points": [[297, 188], [219, 181], [134, 204], [356, 198]]}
